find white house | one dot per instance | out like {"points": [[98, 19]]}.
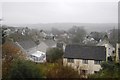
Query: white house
{"points": [[84, 59], [38, 57], [109, 48], [31, 51]]}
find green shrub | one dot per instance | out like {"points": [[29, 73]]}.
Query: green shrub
{"points": [[54, 54], [22, 69]]}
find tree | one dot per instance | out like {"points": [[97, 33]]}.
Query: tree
{"points": [[78, 33], [3, 35], [55, 31], [22, 69], [113, 36], [54, 54], [97, 35], [9, 54]]}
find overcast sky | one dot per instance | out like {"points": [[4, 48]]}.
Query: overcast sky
{"points": [[58, 12]]}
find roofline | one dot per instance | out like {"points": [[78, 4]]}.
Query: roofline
{"points": [[84, 59], [83, 45]]}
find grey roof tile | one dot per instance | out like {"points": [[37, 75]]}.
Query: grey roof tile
{"points": [[27, 44], [85, 52]]}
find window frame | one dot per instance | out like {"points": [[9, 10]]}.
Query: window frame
{"points": [[97, 62], [85, 61], [71, 60]]}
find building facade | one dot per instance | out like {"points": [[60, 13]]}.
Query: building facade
{"points": [[84, 59], [118, 52]]}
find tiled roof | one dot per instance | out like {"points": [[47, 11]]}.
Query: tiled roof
{"points": [[85, 52], [27, 44]]}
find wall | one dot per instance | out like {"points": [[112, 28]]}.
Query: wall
{"points": [[78, 65], [109, 49], [117, 54]]}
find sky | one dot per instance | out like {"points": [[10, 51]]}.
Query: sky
{"points": [[33, 12]]}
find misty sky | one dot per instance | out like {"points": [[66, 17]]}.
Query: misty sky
{"points": [[58, 12]]}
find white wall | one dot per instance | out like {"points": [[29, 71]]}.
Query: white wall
{"points": [[109, 50], [117, 54], [91, 67]]}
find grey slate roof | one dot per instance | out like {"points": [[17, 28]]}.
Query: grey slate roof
{"points": [[50, 43], [85, 52], [27, 44], [44, 45]]}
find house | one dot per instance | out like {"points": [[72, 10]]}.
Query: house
{"points": [[31, 51], [89, 40], [27, 46], [84, 59], [45, 45], [110, 50], [38, 57], [118, 52]]}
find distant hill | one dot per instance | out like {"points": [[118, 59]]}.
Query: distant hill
{"points": [[65, 26]]}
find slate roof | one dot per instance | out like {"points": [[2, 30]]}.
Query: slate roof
{"points": [[50, 43], [27, 44], [44, 45], [102, 43], [85, 52]]}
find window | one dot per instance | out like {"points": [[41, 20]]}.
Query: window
{"points": [[118, 50], [97, 62], [85, 61], [96, 71], [70, 60]]}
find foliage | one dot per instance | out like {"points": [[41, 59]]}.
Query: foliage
{"points": [[9, 53], [22, 69], [79, 34], [55, 31], [54, 54], [3, 34], [109, 70], [97, 35], [18, 37], [60, 71], [113, 36]]}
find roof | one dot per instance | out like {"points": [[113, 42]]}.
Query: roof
{"points": [[103, 44], [44, 45], [50, 43], [27, 44], [85, 52], [38, 54]]}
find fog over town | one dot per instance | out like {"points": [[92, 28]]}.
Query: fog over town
{"points": [[64, 39]]}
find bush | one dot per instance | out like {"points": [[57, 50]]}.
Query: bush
{"points": [[54, 54], [22, 69], [60, 71]]}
